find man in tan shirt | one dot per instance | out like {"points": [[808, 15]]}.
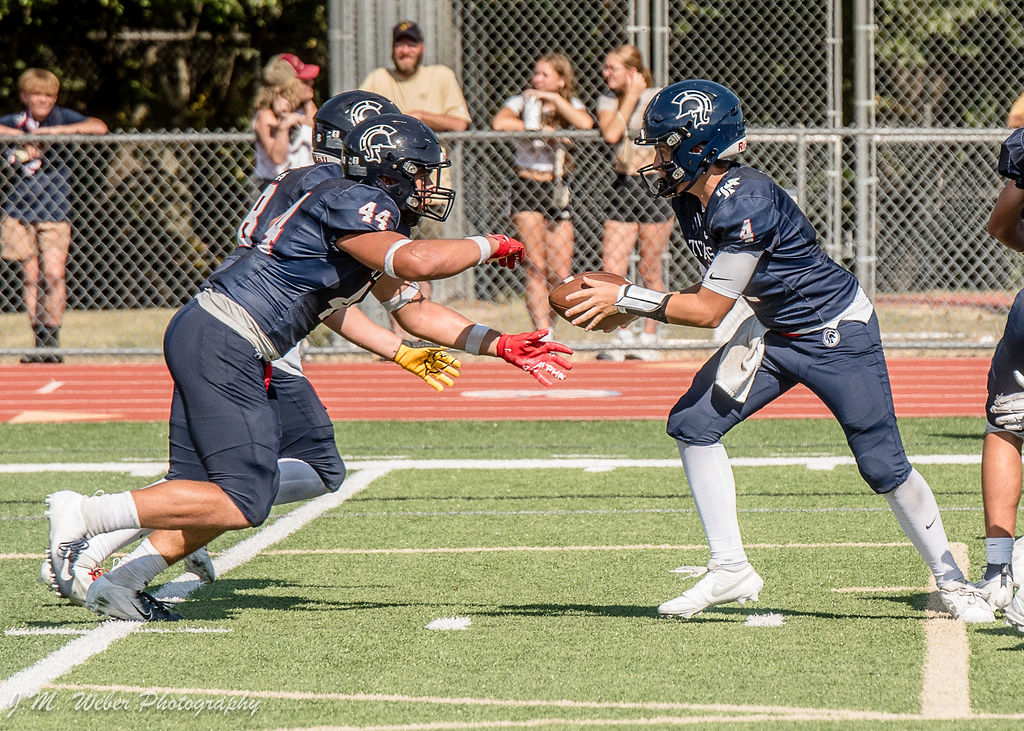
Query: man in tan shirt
{"points": [[429, 93]]}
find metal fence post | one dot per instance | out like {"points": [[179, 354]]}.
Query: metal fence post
{"points": [[864, 86]]}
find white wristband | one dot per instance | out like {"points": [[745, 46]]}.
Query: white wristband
{"points": [[636, 300], [476, 338], [389, 258], [485, 247]]}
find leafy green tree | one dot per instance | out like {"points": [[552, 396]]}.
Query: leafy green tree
{"points": [[157, 64]]}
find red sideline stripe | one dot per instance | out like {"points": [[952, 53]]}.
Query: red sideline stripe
{"points": [[383, 391]]}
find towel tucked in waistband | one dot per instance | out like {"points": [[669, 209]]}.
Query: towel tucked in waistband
{"points": [[741, 357]]}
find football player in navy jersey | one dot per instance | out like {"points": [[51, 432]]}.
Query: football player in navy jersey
{"points": [[1004, 429], [309, 464], [320, 238], [812, 324]]}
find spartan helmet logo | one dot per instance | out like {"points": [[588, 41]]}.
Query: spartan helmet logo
{"points": [[693, 105], [830, 337], [376, 139], [363, 110]]}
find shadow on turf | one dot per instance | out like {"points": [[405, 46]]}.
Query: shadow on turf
{"points": [[226, 598], [714, 614]]}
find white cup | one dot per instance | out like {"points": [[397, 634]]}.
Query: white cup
{"points": [[531, 113]]}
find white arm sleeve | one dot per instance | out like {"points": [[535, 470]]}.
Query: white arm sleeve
{"points": [[729, 273]]}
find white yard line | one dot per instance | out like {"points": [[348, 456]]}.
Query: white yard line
{"points": [[32, 679], [136, 469], [946, 688], [762, 712], [588, 464], [467, 701], [30, 631], [543, 549]]}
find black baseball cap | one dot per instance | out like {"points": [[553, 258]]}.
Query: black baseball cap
{"points": [[407, 29]]}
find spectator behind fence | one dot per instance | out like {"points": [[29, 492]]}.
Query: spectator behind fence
{"points": [[284, 137], [539, 194], [429, 93], [304, 72], [1015, 117], [632, 215], [36, 230]]}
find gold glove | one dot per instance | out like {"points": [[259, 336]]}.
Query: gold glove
{"points": [[433, 364]]}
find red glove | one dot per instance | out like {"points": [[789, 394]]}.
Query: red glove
{"points": [[538, 358], [510, 252]]}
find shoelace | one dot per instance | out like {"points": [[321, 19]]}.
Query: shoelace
{"points": [[154, 608], [71, 549]]}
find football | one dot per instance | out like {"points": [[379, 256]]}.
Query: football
{"points": [[558, 302]]}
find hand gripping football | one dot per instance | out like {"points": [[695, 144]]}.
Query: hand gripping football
{"points": [[556, 298]]}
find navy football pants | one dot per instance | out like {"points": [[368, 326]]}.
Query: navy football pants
{"points": [[850, 378], [223, 426]]}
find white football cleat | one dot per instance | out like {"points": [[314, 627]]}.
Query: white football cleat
{"points": [[1014, 612], [83, 573], [199, 563], [998, 590], [47, 577], [67, 535], [720, 585], [967, 602]]}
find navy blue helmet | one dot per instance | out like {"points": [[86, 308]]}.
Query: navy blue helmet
{"points": [[1011, 157], [700, 122], [401, 156], [339, 114]]}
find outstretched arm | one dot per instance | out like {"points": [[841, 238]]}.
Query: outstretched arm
{"points": [[435, 322], [696, 306], [434, 365], [428, 259]]}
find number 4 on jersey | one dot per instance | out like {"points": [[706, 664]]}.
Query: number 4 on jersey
{"points": [[381, 219], [747, 231]]}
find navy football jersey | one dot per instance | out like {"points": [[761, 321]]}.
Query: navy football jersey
{"points": [[287, 272], [795, 285]]}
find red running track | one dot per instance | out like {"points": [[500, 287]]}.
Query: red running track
{"points": [[486, 391]]}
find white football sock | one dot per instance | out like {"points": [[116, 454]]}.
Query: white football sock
{"points": [[918, 514], [714, 493], [105, 513], [999, 550], [139, 567], [103, 545], [299, 481]]}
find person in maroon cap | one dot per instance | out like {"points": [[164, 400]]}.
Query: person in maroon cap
{"points": [[286, 66]]}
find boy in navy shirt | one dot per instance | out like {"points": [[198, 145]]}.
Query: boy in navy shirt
{"points": [[36, 230]]}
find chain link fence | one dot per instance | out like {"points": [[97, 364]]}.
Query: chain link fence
{"points": [[901, 198]]}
